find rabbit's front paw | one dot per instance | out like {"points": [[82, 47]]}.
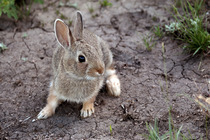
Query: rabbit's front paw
{"points": [[113, 85], [87, 110], [45, 113]]}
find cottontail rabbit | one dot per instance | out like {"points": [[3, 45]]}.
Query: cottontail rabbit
{"points": [[80, 65]]}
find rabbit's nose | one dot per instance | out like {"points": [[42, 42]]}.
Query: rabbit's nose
{"points": [[96, 71], [100, 71]]}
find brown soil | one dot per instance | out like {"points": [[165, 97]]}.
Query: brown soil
{"points": [[25, 72]]}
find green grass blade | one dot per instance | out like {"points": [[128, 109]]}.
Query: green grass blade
{"points": [[170, 128], [178, 133], [197, 50]]}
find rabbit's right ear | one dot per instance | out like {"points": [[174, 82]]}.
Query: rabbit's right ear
{"points": [[62, 33], [78, 26]]}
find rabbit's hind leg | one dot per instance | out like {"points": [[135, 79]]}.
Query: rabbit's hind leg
{"points": [[49, 109], [112, 82]]}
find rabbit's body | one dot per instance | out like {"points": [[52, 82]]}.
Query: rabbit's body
{"points": [[87, 86], [75, 89], [80, 65], [76, 94]]}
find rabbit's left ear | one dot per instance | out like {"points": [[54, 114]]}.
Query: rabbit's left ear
{"points": [[63, 33], [78, 26]]}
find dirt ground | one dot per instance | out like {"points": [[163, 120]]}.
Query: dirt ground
{"points": [[25, 72]]}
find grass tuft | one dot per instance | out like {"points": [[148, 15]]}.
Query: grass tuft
{"points": [[110, 129], [9, 8], [149, 42], [17, 9], [3, 47], [171, 134], [189, 27], [158, 31], [105, 3], [90, 9]]}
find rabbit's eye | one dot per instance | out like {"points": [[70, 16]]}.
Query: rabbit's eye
{"points": [[81, 58]]}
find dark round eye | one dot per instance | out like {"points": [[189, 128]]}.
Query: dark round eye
{"points": [[81, 58]]}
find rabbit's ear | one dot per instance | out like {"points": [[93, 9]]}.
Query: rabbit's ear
{"points": [[78, 26], [63, 33]]}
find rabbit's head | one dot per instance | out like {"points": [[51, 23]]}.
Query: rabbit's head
{"points": [[80, 59]]}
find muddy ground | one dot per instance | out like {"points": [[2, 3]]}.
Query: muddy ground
{"points": [[25, 72]]}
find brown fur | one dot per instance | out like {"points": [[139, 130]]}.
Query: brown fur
{"points": [[79, 81]]}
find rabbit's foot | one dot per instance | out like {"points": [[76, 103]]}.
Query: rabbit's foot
{"points": [[113, 85], [87, 109], [45, 113], [49, 109]]}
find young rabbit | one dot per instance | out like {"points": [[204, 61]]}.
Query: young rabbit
{"points": [[80, 65]]}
